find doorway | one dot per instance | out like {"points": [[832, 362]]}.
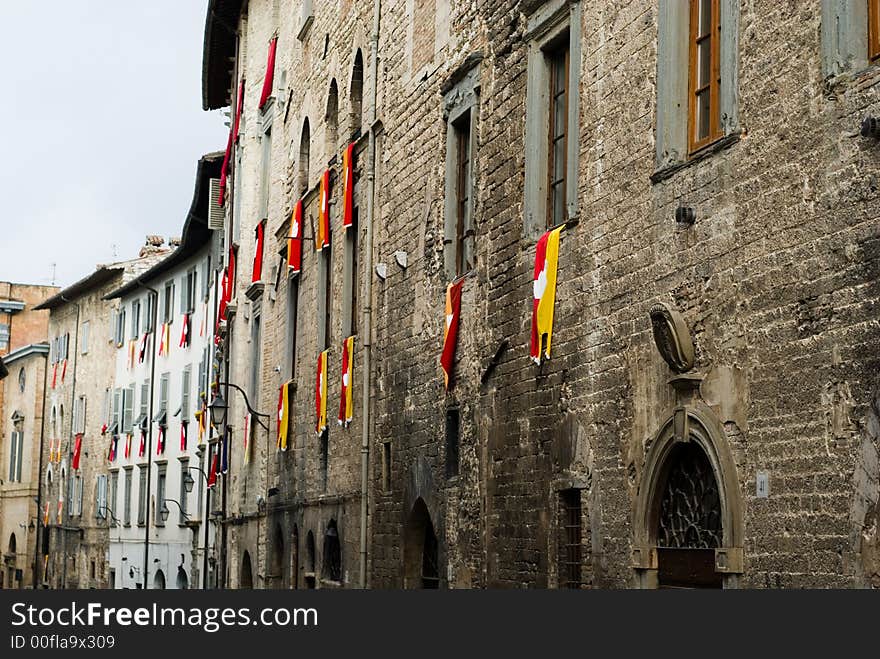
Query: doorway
{"points": [[421, 550]]}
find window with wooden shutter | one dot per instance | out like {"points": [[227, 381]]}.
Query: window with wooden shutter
{"points": [[704, 115]]}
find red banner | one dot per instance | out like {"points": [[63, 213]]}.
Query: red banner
{"points": [[348, 187], [270, 73]]}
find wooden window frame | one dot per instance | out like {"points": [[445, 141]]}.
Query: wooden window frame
{"points": [[873, 30], [560, 48], [462, 127], [714, 86]]}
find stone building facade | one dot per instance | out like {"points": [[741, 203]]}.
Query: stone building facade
{"points": [[23, 331], [74, 513], [735, 211]]}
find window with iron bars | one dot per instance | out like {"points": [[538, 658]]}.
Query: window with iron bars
{"points": [[570, 541]]}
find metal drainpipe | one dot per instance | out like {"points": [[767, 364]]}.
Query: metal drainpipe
{"points": [[67, 452], [153, 357], [40, 474], [367, 315]]}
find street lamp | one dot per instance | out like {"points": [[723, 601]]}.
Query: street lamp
{"points": [[218, 409], [164, 512], [188, 482]]}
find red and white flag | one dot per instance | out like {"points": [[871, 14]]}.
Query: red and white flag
{"points": [[260, 232], [215, 467], [184, 332], [450, 329], [294, 240], [544, 288], [322, 239]]}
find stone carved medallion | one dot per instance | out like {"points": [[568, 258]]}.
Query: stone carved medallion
{"points": [[673, 338]]}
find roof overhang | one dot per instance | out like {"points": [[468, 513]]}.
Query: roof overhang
{"points": [[102, 275], [218, 52], [26, 351], [11, 306], [196, 233]]}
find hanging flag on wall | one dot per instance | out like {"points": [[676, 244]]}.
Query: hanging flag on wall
{"points": [[132, 353], [200, 420], [224, 168], [63, 370], [247, 438], [258, 252], [142, 447], [321, 393], [160, 441], [283, 417], [346, 408], [184, 425], [185, 331], [127, 451], [55, 375], [450, 329], [114, 445], [270, 73], [142, 354], [60, 508], [215, 466], [294, 240], [322, 238], [77, 451], [46, 520], [348, 186], [544, 288]]}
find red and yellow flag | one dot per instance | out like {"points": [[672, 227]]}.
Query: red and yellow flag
{"points": [[450, 329], [127, 451], [348, 186], [215, 467], [346, 408], [294, 240], [60, 508], [165, 339], [544, 287], [322, 239], [283, 417], [46, 520], [321, 394], [200, 419]]}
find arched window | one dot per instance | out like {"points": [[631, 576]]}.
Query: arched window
{"points": [[331, 119], [294, 558], [305, 146], [12, 545], [310, 560], [331, 563], [356, 94], [246, 577], [159, 580], [182, 579]]}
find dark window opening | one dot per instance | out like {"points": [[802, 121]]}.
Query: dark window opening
{"points": [[558, 61], [453, 422], [356, 94], [570, 539], [324, 457], [332, 559], [463, 256]]}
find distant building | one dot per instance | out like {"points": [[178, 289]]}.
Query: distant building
{"points": [[74, 515], [156, 419]]}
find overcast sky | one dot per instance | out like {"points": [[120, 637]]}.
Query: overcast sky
{"points": [[102, 129]]}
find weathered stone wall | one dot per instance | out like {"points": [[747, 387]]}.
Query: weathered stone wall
{"points": [[777, 280]]}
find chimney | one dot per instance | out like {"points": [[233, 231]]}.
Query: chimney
{"points": [[153, 245], [174, 241]]}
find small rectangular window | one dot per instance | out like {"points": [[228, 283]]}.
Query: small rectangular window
{"points": [[452, 441], [144, 410], [84, 338], [557, 163], [326, 297], [570, 542], [324, 463], [4, 336], [127, 409], [163, 395], [160, 493], [79, 415], [185, 393], [386, 466], [135, 318], [120, 328], [147, 324], [126, 504], [705, 74], [256, 352], [463, 253], [114, 492], [142, 496], [168, 310]]}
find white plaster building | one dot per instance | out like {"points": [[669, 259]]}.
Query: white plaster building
{"points": [[154, 408]]}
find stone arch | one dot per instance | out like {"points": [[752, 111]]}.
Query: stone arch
{"points": [[356, 94], [331, 558], [304, 157], [182, 579], [420, 549], [331, 120], [246, 575], [159, 580], [696, 426]]}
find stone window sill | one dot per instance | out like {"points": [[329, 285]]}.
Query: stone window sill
{"points": [[707, 151]]}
